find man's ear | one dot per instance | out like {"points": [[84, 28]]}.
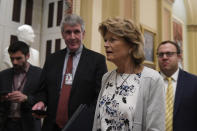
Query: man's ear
{"points": [[179, 56], [27, 56], [62, 34], [83, 34]]}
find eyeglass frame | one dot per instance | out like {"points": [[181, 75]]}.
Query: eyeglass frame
{"points": [[168, 54]]}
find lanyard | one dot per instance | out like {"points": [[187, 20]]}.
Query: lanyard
{"points": [[20, 86]]}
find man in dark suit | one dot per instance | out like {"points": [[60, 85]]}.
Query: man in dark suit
{"points": [[88, 68], [17, 86], [183, 115]]}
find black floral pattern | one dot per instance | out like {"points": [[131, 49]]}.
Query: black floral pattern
{"points": [[115, 104]]}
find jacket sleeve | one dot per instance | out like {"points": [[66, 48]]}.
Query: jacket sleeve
{"points": [[101, 69], [3, 114], [3, 106], [96, 123], [41, 93], [155, 109]]}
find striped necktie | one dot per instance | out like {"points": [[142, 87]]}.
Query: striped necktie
{"points": [[169, 105]]}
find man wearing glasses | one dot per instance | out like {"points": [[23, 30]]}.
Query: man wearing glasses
{"points": [[180, 88]]}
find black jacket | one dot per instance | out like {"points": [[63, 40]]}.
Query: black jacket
{"points": [[85, 88], [185, 104], [6, 79]]}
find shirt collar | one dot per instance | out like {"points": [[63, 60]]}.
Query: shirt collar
{"points": [[27, 67], [78, 51], [174, 76]]}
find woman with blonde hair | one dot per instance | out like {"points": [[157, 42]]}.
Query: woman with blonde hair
{"points": [[132, 96]]}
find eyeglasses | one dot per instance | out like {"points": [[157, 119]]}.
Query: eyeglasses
{"points": [[168, 54]]}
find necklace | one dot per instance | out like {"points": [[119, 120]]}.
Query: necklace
{"points": [[116, 80]]}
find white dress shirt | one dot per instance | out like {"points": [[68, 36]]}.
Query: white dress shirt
{"points": [[76, 59], [174, 81]]}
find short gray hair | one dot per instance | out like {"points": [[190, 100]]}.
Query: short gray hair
{"points": [[72, 19]]}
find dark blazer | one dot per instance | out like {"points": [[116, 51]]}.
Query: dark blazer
{"points": [[85, 88], [6, 79], [185, 106]]}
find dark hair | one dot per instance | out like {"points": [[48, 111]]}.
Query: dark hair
{"points": [[18, 46], [178, 49]]}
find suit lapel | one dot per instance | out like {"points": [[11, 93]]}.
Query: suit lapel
{"points": [[10, 79], [60, 66], [179, 91], [28, 79], [79, 68]]}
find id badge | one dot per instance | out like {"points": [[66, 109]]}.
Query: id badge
{"points": [[68, 79]]}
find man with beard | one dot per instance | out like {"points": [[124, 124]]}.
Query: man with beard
{"points": [[17, 87], [180, 88]]}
